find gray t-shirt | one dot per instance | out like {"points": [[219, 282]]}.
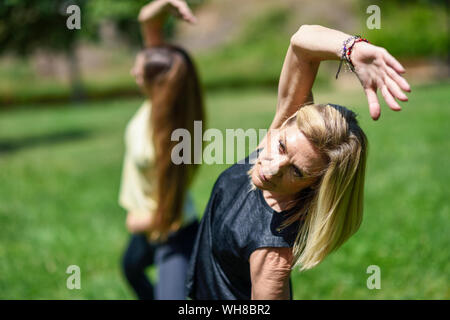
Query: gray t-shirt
{"points": [[236, 222]]}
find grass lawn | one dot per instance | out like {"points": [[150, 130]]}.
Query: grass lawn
{"points": [[60, 172]]}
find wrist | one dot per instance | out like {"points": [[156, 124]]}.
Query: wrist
{"points": [[348, 47], [318, 42], [153, 10], [356, 51]]}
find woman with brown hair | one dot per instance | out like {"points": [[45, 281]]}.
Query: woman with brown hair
{"points": [[161, 215]]}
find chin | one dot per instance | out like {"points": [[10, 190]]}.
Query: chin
{"points": [[257, 183]]}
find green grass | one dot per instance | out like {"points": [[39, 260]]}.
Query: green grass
{"points": [[60, 175]]}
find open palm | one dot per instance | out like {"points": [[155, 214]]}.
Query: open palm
{"points": [[377, 69]]}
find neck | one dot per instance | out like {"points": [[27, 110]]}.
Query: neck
{"points": [[278, 202]]}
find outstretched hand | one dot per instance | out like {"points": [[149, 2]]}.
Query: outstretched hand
{"points": [[182, 10], [377, 69], [177, 7]]}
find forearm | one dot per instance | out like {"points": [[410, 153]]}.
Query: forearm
{"points": [[152, 33], [310, 45], [317, 43], [152, 17], [152, 11], [270, 269], [271, 290], [295, 85]]}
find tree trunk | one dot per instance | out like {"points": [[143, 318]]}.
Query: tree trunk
{"points": [[78, 93]]}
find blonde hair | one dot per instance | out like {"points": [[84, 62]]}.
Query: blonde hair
{"points": [[332, 210]]}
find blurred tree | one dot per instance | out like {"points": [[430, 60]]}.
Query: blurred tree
{"points": [[124, 14], [27, 25], [32, 24]]}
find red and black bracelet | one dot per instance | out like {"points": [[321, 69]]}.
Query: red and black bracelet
{"points": [[347, 51]]}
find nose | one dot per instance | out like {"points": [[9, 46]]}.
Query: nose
{"points": [[274, 166]]}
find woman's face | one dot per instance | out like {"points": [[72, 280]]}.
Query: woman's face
{"points": [[288, 163]]}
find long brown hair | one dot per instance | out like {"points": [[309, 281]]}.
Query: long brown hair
{"points": [[176, 103]]}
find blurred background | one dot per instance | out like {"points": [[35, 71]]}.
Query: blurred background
{"points": [[67, 95]]}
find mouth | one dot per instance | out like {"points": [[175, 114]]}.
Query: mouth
{"points": [[262, 177]]}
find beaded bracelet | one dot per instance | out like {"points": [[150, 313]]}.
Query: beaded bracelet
{"points": [[347, 51]]}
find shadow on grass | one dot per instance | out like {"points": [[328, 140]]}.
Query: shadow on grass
{"points": [[13, 145]]}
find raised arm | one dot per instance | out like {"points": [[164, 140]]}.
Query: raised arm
{"points": [[311, 44], [153, 15]]}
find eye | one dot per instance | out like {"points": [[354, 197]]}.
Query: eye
{"points": [[297, 172], [281, 146]]}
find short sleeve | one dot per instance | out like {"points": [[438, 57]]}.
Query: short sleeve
{"points": [[268, 234]]}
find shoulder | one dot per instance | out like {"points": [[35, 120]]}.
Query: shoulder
{"points": [[235, 176], [239, 170]]}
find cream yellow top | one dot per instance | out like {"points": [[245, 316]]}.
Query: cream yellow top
{"points": [[138, 182]]}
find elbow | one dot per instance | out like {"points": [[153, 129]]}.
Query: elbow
{"points": [[305, 30], [141, 16], [146, 13], [297, 40]]}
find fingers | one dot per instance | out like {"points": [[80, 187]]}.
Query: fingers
{"points": [[393, 63], [184, 11], [394, 89], [188, 16], [374, 105], [402, 83], [390, 99]]}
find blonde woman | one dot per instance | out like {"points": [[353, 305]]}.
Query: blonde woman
{"points": [[302, 196], [154, 191]]}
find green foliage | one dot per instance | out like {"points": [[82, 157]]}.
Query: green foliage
{"points": [[124, 14], [26, 25], [31, 24], [412, 29], [254, 57]]}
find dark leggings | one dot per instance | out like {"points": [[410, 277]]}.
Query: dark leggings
{"points": [[171, 258]]}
